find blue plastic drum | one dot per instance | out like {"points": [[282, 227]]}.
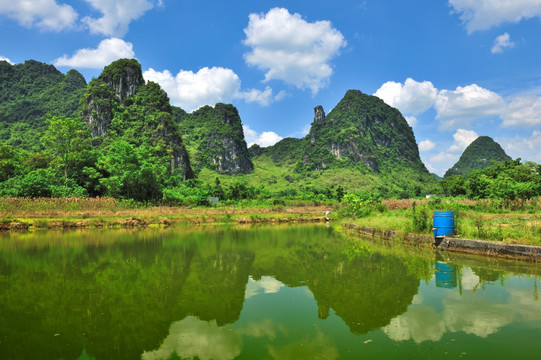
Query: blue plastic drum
{"points": [[444, 223]]}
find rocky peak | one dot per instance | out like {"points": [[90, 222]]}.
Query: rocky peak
{"points": [[319, 114], [123, 76], [217, 134], [364, 131], [228, 114]]}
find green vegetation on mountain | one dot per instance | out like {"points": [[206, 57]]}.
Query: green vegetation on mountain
{"points": [[215, 139], [119, 136], [509, 181], [29, 93], [361, 145], [481, 153]]}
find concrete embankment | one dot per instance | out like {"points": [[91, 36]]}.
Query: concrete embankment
{"points": [[472, 246]]}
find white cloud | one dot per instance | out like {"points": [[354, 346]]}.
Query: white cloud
{"points": [[411, 120], [193, 338], [444, 157], [290, 49], [191, 90], [108, 51], [208, 86], [267, 285], [463, 138], [258, 96], [426, 145], [2, 58], [444, 160], [484, 14], [411, 98], [44, 14], [525, 148], [458, 108], [117, 15], [461, 106], [503, 41], [264, 139], [523, 111]]}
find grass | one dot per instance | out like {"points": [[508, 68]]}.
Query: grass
{"points": [[483, 220], [48, 213]]}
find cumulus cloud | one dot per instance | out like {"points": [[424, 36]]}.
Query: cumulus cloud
{"points": [[484, 14], [267, 285], [264, 139], [411, 98], [411, 120], [258, 96], [2, 58], [463, 138], [108, 51], [426, 145], [523, 111], [192, 338], [503, 41], [459, 107], [208, 86], [526, 148], [43, 14], [445, 159], [291, 49], [117, 15]]}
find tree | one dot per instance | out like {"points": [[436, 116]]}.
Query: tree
{"points": [[132, 172], [68, 142]]}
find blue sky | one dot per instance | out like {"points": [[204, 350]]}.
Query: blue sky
{"points": [[456, 69]]}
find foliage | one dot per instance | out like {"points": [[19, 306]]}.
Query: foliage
{"points": [[132, 172], [215, 139], [420, 219], [481, 153], [31, 92], [512, 182], [359, 204]]}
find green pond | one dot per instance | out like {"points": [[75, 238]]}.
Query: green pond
{"points": [[266, 292]]}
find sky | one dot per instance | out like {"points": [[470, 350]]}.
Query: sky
{"points": [[456, 69]]}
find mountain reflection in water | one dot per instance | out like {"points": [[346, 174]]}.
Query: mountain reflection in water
{"points": [[287, 292]]}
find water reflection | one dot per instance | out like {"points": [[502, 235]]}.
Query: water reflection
{"points": [[481, 306], [223, 293]]}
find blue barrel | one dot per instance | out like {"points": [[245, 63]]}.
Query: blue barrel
{"points": [[444, 223], [445, 275]]}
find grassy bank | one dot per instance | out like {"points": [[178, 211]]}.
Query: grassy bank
{"points": [[48, 213], [483, 220]]}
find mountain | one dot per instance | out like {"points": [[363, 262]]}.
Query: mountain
{"points": [[364, 132], [31, 91], [120, 104], [481, 153], [362, 144], [133, 133], [215, 139]]}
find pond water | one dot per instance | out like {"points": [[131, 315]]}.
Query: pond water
{"points": [[291, 292]]}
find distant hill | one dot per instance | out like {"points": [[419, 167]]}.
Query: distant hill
{"points": [[362, 144], [119, 104], [215, 139], [31, 91], [362, 130], [481, 153]]}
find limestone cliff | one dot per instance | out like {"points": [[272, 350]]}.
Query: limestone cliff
{"points": [[361, 129], [120, 101], [215, 139]]}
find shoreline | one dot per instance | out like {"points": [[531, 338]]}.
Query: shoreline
{"points": [[156, 217], [530, 253]]}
